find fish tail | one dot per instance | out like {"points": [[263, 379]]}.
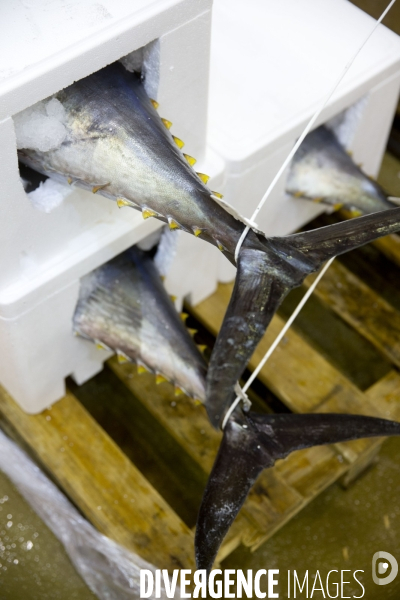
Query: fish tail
{"points": [[253, 442], [267, 269]]}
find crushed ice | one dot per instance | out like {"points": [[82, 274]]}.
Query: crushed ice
{"points": [[49, 195], [41, 126]]}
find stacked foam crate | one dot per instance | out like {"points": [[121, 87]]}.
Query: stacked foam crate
{"points": [[271, 65], [47, 46]]}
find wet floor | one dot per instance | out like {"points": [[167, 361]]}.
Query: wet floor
{"points": [[340, 529], [33, 563]]}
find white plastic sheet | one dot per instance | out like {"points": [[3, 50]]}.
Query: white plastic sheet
{"points": [[110, 571]]}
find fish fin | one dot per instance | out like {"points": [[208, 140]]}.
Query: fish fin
{"points": [[166, 123], [253, 442], [178, 142], [192, 161], [322, 244], [154, 103], [203, 177], [97, 188], [148, 212], [123, 202], [122, 357], [173, 224]]}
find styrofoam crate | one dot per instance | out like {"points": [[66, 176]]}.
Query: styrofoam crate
{"points": [[272, 64], [45, 47]]}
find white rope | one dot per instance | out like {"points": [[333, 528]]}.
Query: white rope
{"points": [[306, 130], [241, 395], [277, 340], [261, 204]]}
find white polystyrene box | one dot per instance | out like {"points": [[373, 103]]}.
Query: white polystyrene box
{"points": [[44, 47], [272, 64]]}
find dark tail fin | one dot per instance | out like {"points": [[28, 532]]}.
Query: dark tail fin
{"points": [[254, 442], [267, 270]]}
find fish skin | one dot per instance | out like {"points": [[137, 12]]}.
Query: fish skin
{"points": [[124, 305], [115, 136], [321, 169], [253, 442]]}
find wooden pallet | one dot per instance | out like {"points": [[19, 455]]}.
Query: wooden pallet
{"points": [[150, 510]]}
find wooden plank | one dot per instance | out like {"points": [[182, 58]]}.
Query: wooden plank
{"points": [[385, 396], [362, 308], [102, 482], [390, 247], [189, 425], [278, 494], [303, 379]]}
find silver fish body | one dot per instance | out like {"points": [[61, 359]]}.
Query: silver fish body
{"points": [[123, 306], [117, 142], [323, 171], [117, 145]]}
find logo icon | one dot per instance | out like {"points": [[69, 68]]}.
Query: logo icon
{"points": [[386, 560]]}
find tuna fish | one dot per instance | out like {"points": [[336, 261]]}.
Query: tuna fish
{"points": [[124, 307], [117, 145], [322, 171], [253, 442]]}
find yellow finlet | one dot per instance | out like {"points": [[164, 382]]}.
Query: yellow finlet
{"points": [[184, 316], [197, 231], [178, 391], [100, 345], [355, 212], [160, 379], [221, 246], [217, 194], [154, 103], [192, 331], [178, 142], [173, 298], [147, 212], [173, 224], [197, 402], [167, 123], [96, 188], [141, 369], [338, 206], [318, 200], [298, 194], [70, 181], [121, 357], [203, 177], [122, 202], [192, 161], [202, 347]]}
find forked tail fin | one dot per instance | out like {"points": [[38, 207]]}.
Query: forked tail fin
{"points": [[268, 268], [253, 442]]}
